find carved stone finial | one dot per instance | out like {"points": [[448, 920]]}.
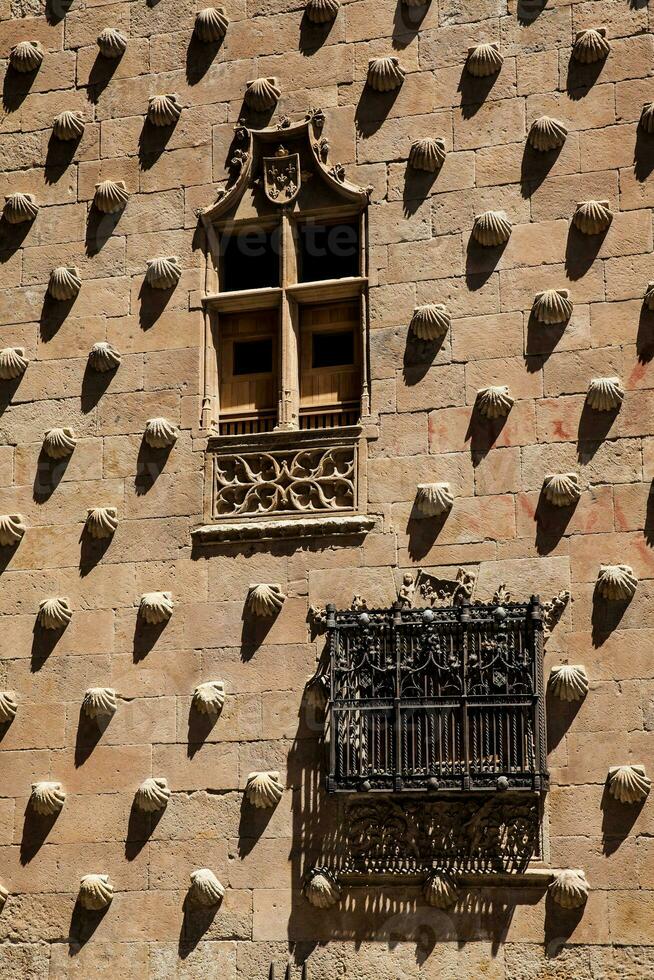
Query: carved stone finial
{"points": [[430, 322], [160, 433], [321, 889], [95, 892], [152, 795], [439, 891], [265, 599], [605, 394], [427, 154], [569, 682], [552, 610], [65, 283], [562, 489], [99, 702], [262, 94], [484, 60], [616, 582], [163, 273], [628, 784], [112, 43], [209, 698], [205, 890], [68, 126], [101, 522], [26, 56], [111, 196], [494, 402], [590, 46], [264, 789], [211, 24], [385, 74], [60, 442], [12, 529], [569, 889], [104, 357], [547, 134], [322, 11], [12, 363], [407, 591], [434, 499], [8, 706], [164, 110], [492, 228], [592, 217], [47, 798], [647, 118], [20, 208], [552, 306], [156, 607], [54, 614]]}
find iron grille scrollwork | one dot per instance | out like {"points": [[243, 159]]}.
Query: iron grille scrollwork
{"points": [[438, 699]]}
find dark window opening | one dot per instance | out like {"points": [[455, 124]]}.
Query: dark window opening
{"points": [[328, 251], [250, 259], [331, 349], [253, 356]]}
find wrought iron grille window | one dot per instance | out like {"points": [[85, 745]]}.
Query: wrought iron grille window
{"points": [[439, 699]]}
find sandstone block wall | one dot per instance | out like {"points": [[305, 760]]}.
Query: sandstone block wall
{"points": [[420, 252]]}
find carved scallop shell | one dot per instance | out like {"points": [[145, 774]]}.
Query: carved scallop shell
{"points": [[569, 889], [430, 322], [12, 363], [647, 118], [484, 60], [265, 599], [164, 110], [26, 56], [439, 891], [156, 607], [649, 296], [562, 489], [264, 789], [152, 795], [605, 394], [552, 306], [491, 228], [163, 273], [54, 613], [95, 892], [99, 702], [47, 798], [590, 46], [569, 682], [494, 402], [104, 357], [112, 43], [160, 433], [4, 895], [20, 208], [205, 890], [628, 784], [65, 282], [68, 126], [209, 698], [321, 889], [101, 522], [385, 74], [433, 499], [11, 529], [547, 134], [111, 196], [211, 24], [427, 154], [616, 582], [58, 443], [322, 11], [8, 706], [592, 217], [262, 93]]}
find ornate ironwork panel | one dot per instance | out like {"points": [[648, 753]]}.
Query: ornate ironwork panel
{"points": [[300, 478], [440, 699]]}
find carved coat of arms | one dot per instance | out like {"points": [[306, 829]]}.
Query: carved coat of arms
{"points": [[281, 176]]}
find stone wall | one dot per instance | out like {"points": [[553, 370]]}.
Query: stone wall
{"points": [[424, 395]]}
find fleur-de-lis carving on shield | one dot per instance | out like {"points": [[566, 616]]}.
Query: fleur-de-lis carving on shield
{"points": [[281, 176]]}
